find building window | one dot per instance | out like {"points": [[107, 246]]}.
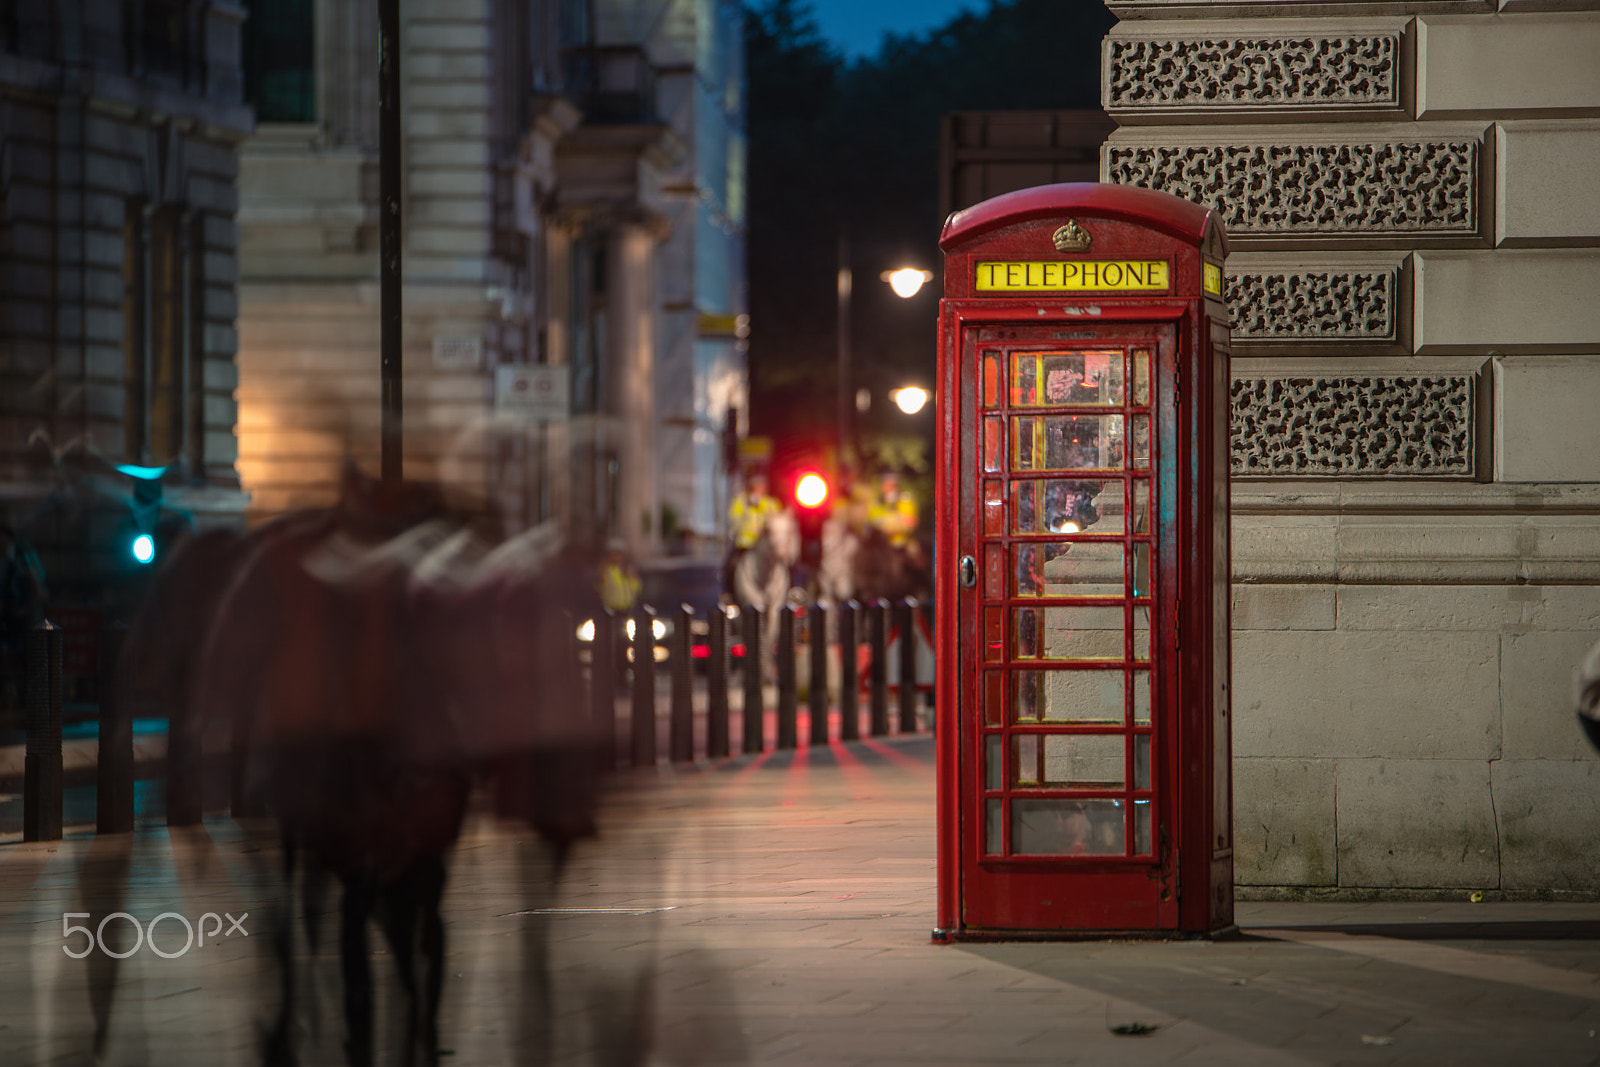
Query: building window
{"points": [[164, 39], [279, 60]]}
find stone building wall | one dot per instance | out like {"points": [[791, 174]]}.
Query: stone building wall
{"points": [[119, 125], [309, 321], [1410, 195], [535, 214]]}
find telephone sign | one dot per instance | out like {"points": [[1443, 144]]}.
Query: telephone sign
{"points": [[1083, 603]]}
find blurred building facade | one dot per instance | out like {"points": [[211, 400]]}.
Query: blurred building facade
{"points": [[119, 127], [1409, 191], [554, 208]]}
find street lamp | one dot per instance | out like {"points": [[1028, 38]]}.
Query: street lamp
{"points": [[909, 398], [907, 281]]}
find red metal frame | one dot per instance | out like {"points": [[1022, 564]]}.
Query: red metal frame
{"points": [[1183, 883]]}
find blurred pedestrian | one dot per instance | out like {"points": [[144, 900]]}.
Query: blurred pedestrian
{"points": [[748, 516]]}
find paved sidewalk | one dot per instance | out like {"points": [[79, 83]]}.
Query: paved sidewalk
{"points": [[777, 910]]}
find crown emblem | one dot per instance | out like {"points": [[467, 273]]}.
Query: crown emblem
{"points": [[1072, 238]]}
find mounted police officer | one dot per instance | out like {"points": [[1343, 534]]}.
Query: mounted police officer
{"points": [[747, 521], [894, 514]]}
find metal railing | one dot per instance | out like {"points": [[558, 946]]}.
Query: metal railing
{"points": [[622, 661], [772, 688]]}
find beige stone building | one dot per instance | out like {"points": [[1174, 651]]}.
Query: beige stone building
{"points": [[549, 150], [1412, 194], [119, 124]]}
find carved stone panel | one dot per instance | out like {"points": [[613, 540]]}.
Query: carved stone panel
{"points": [[1385, 427], [1343, 72], [1281, 306], [1294, 189]]}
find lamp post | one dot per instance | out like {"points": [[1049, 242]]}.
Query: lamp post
{"points": [[906, 283], [842, 341], [389, 270]]}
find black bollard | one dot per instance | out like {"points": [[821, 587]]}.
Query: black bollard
{"points": [[681, 729], [644, 688], [717, 686], [113, 791], [754, 714], [603, 687], [906, 610], [849, 678], [817, 634], [42, 772], [787, 703], [878, 637]]}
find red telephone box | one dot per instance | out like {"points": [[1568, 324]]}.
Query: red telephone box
{"points": [[1083, 585]]}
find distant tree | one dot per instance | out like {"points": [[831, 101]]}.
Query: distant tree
{"points": [[853, 149], [793, 222]]}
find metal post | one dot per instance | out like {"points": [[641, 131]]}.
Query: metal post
{"points": [[147, 345], [603, 687], [389, 277], [878, 636], [42, 771], [907, 611], [644, 688], [682, 724], [817, 631], [754, 713], [787, 704], [717, 687], [849, 680], [113, 793]]}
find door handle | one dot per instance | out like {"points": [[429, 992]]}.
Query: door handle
{"points": [[969, 572]]}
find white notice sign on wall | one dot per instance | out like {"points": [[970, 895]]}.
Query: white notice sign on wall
{"points": [[538, 391], [454, 353]]}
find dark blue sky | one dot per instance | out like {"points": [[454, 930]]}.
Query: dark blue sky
{"points": [[857, 26]]}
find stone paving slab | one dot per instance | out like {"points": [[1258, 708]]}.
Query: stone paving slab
{"points": [[777, 910]]}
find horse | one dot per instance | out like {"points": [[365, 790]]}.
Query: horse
{"points": [[836, 580], [761, 578], [883, 569]]}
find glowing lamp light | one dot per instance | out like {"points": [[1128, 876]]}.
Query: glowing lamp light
{"points": [[910, 399], [143, 548], [907, 281], [811, 491]]}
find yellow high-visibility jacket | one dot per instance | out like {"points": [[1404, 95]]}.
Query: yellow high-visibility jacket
{"points": [[747, 518], [619, 587], [896, 517]]}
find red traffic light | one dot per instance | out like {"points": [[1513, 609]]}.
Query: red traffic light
{"points": [[811, 491]]}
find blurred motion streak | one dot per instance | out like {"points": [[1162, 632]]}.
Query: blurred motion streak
{"points": [[367, 664]]}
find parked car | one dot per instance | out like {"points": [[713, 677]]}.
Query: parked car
{"points": [[666, 585]]}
